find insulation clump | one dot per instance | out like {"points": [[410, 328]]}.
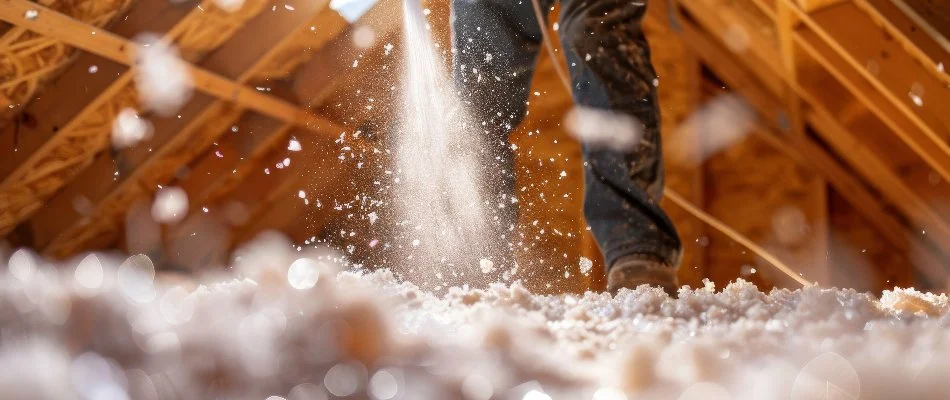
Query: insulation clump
{"points": [[307, 325]]}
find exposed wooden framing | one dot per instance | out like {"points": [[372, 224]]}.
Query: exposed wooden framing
{"points": [[930, 146], [680, 76], [890, 184], [317, 169], [80, 82], [45, 172], [201, 132], [808, 153], [237, 216], [261, 187], [29, 60], [206, 185], [325, 180], [73, 147], [750, 28], [316, 95], [874, 169], [123, 51], [785, 23], [205, 189], [917, 37]]}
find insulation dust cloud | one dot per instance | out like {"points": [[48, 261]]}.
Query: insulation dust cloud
{"points": [[444, 227]]}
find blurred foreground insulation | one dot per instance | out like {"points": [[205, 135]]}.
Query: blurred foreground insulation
{"points": [[278, 327]]}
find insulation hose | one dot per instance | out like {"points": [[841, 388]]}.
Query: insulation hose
{"points": [[680, 201]]}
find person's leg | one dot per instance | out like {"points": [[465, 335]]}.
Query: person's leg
{"points": [[609, 61], [496, 44]]}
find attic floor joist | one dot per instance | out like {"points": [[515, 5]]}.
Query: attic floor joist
{"points": [[42, 174], [751, 80], [83, 79], [310, 25]]}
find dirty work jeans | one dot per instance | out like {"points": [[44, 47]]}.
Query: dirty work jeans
{"points": [[496, 45]]}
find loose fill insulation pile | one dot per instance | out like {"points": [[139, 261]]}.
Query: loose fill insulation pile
{"points": [[288, 325]]}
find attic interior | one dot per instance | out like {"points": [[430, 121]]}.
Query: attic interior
{"points": [[198, 151]]}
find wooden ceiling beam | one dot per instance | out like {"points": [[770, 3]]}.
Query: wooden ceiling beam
{"points": [[917, 35], [864, 159], [740, 79], [33, 60], [73, 147], [276, 133], [223, 168], [64, 97], [205, 188], [845, 49], [309, 26], [21, 194]]}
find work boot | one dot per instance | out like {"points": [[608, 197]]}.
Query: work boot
{"points": [[632, 271]]}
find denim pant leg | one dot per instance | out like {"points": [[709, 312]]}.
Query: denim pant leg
{"points": [[609, 62], [496, 45]]}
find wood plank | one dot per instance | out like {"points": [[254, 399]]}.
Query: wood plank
{"points": [[916, 132], [118, 49], [933, 51], [933, 16], [863, 159], [324, 179], [785, 23], [157, 161], [749, 31], [67, 95], [33, 60], [22, 201], [71, 148], [885, 59], [881, 216], [243, 156], [815, 5]]}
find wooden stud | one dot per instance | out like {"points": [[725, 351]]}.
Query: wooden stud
{"points": [[785, 24]]}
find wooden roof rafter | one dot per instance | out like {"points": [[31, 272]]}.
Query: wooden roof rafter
{"points": [[29, 60], [883, 33], [22, 193], [260, 153], [310, 25], [877, 172], [808, 153], [923, 133]]}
